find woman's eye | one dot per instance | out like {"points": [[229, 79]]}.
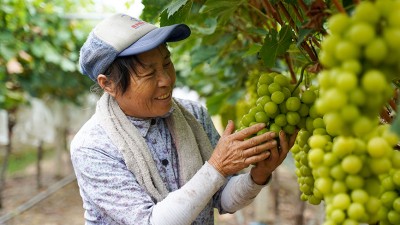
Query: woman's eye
{"points": [[146, 75], [167, 64]]}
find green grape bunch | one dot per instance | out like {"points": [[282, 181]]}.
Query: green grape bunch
{"points": [[354, 164], [356, 82], [361, 59], [348, 171], [279, 105], [389, 212], [314, 127]]}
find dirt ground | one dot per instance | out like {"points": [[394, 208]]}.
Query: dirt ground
{"points": [[65, 205]]}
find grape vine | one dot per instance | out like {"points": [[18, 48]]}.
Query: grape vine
{"points": [[344, 155]]}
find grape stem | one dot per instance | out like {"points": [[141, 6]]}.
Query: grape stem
{"points": [[302, 75], [290, 66], [385, 115]]}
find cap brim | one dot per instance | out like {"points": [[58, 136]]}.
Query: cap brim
{"points": [[156, 37]]}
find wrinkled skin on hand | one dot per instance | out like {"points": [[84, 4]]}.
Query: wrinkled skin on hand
{"points": [[262, 171], [236, 151]]}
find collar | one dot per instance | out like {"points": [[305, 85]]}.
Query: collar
{"points": [[143, 125]]}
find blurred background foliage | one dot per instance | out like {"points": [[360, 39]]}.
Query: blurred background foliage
{"points": [[39, 49]]}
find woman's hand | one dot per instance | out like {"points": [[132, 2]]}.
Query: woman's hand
{"points": [[235, 152], [262, 171]]}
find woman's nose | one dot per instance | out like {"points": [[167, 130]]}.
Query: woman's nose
{"points": [[164, 79]]}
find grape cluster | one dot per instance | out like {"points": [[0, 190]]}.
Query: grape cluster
{"points": [[390, 194], [369, 36], [348, 171], [349, 167], [279, 105], [300, 150], [357, 80], [243, 105], [305, 175]]}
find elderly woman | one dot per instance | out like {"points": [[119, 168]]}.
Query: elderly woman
{"points": [[145, 157]]}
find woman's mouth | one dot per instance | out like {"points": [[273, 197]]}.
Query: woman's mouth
{"points": [[165, 96]]}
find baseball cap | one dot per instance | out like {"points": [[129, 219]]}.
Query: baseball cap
{"points": [[122, 35]]}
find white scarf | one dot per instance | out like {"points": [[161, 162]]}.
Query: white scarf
{"points": [[191, 141]]}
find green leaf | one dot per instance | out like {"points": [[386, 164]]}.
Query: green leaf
{"points": [[292, 2], [223, 9], [152, 9], [7, 52], [303, 33], [68, 65], [275, 45], [178, 16], [219, 6], [213, 103], [235, 95], [38, 49], [254, 49], [209, 27], [202, 55], [64, 35], [50, 54], [175, 6]]}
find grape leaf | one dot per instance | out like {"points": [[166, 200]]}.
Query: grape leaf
{"points": [[275, 45], [175, 6], [203, 55], [223, 9], [213, 103], [254, 49], [179, 15], [303, 34], [153, 9]]}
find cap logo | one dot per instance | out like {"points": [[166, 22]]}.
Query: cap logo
{"points": [[138, 24]]}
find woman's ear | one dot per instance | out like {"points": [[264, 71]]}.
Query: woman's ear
{"points": [[106, 84]]}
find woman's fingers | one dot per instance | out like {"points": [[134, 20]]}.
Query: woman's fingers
{"points": [[258, 158], [282, 140], [256, 153], [230, 128], [247, 132], [257, 140], [257, 149], [284, 143], [237, 150]]}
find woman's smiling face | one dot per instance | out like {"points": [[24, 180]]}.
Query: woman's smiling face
{"points": [[150, 91]]}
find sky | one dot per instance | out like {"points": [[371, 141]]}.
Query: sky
{"points": [[134, 10]]}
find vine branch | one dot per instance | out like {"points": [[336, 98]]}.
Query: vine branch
{"points": [[290, 66], [288, 17], [339, 6], [270, 9]]}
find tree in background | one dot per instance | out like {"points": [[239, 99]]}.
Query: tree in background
{"points": [[39, 50]]}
